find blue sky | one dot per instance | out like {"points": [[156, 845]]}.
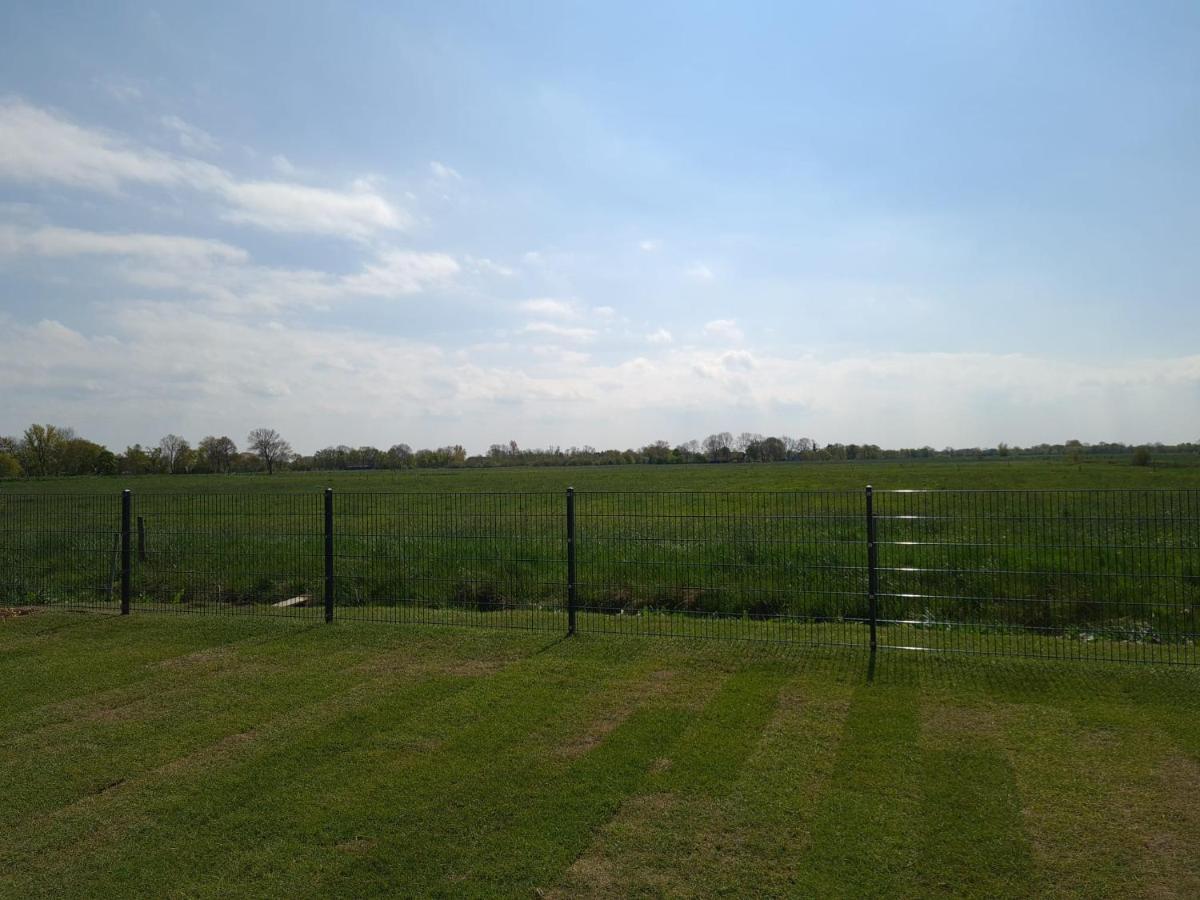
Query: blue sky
{"points": [[601, 224]]}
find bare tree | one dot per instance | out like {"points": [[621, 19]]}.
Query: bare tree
{"points": [[219, 452], [717, 446], [745, 439], [173, 451], [270, 447]]}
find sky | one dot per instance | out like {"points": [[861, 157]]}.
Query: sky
{"points": [[606, 223]]}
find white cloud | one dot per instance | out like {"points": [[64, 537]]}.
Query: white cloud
{"points": [[548, 306], [286, 206], [37, 146], [649, 246], [443, 172], [724, 329], [223, 274], [603, 312], [123, 90], [573, 333], [699, 272], [288, 169], [661, 336], [191, 138], [484, 266], [62, 242], [195, 371], [404, 272]]}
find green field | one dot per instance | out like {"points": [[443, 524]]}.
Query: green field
{"points": [[199, 757], [773, 551], [1177, 471]]}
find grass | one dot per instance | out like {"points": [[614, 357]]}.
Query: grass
{"points": [[1176, 471], [748, 541], [209, 756]]}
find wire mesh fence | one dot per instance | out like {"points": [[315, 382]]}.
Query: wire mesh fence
{"points": [[229, 553], [1071, 574], [765, 566], [481, 559], [60, 550], [1111, 575]]}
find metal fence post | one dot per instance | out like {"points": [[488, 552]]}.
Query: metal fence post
{"points": [[571, 598], [872, 567], [126, 561], [328, 554]]}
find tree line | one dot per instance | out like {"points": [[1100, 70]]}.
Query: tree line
{"points": [[52, 450]]}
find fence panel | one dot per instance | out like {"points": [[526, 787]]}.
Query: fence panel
{"points": [[1068, 574], [775, 566], [495, 559], [61, 550], [1071, 574], [259, 554]]}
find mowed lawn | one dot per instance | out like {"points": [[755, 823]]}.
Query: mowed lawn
{"points": [[207, 756]]}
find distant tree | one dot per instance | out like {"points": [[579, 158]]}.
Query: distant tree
{"points": [[42, 447], [135, 461], [658, 452], [745, 439], [717, 447], [1002, 449], [217, 453], [173, 452], [772, 449], [10, 467], [399, 456], [1141, 456], [83, 457], [269, 446]]}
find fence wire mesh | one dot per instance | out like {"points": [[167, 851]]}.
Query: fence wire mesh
{"points": [[1070, 574], [480, 559], [1073, 574], [61, 550], [766, 566], [230, 553]]}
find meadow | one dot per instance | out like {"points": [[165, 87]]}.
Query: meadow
{"points": [[211, 756], [1175, 471], [1102, 555]]}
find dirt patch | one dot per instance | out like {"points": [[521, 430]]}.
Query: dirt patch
{"points": [[596, 873], [359, 846], [657, 684], [12, 612], [402, 663], [944, 723], [1173, 846], [199, 659], [225, 747]]}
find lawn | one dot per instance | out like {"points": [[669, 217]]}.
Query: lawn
{"points": [[200, 756]]}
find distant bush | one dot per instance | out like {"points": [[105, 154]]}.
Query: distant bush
{"points": [[9, 467], [1141, 457]]}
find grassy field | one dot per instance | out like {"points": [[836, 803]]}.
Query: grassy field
{"points": [[199, 757], [1175, 472], [783, 542]]}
